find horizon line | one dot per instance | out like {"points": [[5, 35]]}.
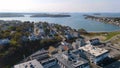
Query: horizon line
{"points": [[56, 12]]}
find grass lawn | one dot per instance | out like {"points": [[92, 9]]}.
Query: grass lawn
{"points": [[106, 35], [111, 34]]}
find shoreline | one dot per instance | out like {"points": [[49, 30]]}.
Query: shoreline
{"points": [[103, 31], [63, 25]]}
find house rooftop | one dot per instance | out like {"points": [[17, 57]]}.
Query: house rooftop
{"points": [[40, 52], [40, 55], [94, 50], [29, 64], [47, 60]]}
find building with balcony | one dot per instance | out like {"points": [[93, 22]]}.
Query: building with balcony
{"points": [[69, 60], [94, 54], [45, 60]]}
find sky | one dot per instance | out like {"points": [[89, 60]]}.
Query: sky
{"points": [[59, 6]]}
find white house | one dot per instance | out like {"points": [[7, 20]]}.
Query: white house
{"points": [[32, 37], [78, 43], [4, 41], [38, 30]]}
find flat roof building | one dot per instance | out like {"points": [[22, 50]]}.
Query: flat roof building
{"points": [[94, 54], [30, 64]]}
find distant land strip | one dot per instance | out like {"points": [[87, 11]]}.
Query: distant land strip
{"points": [[109, 20], [11, 15], [50, 15], [33, 15]]}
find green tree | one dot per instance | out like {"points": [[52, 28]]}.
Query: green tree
{"points": [[13, 42], [82, 31]]}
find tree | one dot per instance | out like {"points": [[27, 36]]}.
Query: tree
{"points": [[58, 38], [82, 31], [6, 34], [13, 42], [13, 28]]}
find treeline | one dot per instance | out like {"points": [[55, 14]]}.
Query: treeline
{"points": [[16, 54], [19, 47]]}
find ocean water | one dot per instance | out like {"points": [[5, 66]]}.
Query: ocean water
{"points": [[76, 21]]}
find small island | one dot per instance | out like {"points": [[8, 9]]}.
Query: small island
{"points": [[50, 15], [11, 15], [96, 14]]}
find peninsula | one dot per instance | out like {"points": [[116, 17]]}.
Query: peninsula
{"points": [[109, 20]]}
